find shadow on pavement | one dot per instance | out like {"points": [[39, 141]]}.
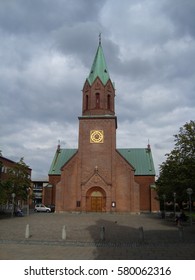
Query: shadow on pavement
{"points": [[116, 241]]}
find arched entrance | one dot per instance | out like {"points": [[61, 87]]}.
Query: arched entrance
{"points": [[96, 200]]}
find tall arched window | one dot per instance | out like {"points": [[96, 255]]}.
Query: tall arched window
{"points": [[87, 102], [97, 100], [108, 101]]}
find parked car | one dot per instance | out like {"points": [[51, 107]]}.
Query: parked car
{"points": [[42, 208]]}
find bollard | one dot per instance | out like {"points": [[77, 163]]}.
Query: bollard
{"points": [[63, 233], [180, 230], [141, 234], [102, 233], [27, 231]]}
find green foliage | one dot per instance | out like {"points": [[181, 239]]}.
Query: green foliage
{"points": [[177, 173], [18, 182], [5, 191]]}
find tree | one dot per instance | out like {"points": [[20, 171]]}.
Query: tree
{"points": [[20, 179], [177, 173], [18, 182]]}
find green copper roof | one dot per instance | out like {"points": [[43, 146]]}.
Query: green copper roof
{"points": [[99, 68], [61, 157], [141, 159]]}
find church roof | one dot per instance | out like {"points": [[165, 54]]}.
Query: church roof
{"points": [[99, 68], [61, 157], [140, 158]]}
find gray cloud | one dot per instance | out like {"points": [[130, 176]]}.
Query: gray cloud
{"points": [[46, 51], [26, 16], [181, 13]]}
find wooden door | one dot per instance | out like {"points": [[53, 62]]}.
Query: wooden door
{"points": [[96, 204]]}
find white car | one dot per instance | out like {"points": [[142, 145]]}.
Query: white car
{"points": [[42, 208]]}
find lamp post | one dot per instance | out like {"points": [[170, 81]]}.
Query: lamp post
{"points": [[174, 198], [13, 196], [190, 192], [28, 194]]}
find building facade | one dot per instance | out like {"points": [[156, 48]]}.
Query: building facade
{"points": [[97, 176], [9, 170], [6, 165], [38, 186]]}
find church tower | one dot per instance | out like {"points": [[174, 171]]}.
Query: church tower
{"points": [[97, 136]]}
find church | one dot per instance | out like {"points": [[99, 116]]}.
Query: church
{"points": [[98, 176]]}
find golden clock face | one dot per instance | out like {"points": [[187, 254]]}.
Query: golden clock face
{"points": [[96, 136]]}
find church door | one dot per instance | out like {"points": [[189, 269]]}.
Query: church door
{"points": [[96, 200], [96, 204]]}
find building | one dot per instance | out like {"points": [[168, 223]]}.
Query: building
{"points": [[97, 176], [8, 169], [6, 165], [38, 186]]}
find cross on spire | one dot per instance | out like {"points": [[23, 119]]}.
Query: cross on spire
{"points": [[100, 39]]}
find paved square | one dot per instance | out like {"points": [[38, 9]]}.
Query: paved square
{"points": [[126, 236]]}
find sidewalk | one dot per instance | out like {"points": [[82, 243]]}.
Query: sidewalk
{"points": [[144, 236]]}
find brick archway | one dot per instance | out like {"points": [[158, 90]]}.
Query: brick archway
{"points": [[96, 200]]}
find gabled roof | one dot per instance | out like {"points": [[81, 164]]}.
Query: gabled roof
{"points": [[61, 157], [5, 160], [140, 158], [99, 68]]}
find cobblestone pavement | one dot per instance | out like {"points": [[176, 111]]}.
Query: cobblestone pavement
{"points": [[126, 236]]}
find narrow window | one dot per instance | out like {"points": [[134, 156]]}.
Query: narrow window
{"points": [[108, 102], [78, 204], [87, 102], [97, 100]]}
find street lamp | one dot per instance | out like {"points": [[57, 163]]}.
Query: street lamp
{"points": [[13, 196], [190, 192], [28, 194], [174, 198]]}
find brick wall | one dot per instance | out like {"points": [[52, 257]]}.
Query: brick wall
{"points": [[147, 198]]}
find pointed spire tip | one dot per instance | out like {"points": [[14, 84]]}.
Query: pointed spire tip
{"points": [[100, 39]]}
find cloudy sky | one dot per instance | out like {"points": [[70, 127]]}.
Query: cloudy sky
{"points": [[46, 51]]}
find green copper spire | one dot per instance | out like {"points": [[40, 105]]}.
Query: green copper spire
{"points": [[99, 68]]}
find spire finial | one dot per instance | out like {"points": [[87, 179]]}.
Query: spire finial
{"points": [[58, 148], [100, 39], [148, 145]]}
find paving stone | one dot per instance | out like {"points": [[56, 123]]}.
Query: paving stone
{"points": [[161, 238]]}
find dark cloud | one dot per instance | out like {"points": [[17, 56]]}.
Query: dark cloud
{"points": [[46, 51], [78, 40], [181, 13], [26, 16]]}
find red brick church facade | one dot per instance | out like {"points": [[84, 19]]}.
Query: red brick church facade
{"points": [[97, 176]]}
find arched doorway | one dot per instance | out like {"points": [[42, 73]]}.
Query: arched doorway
{"points": [[96, 200]]}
